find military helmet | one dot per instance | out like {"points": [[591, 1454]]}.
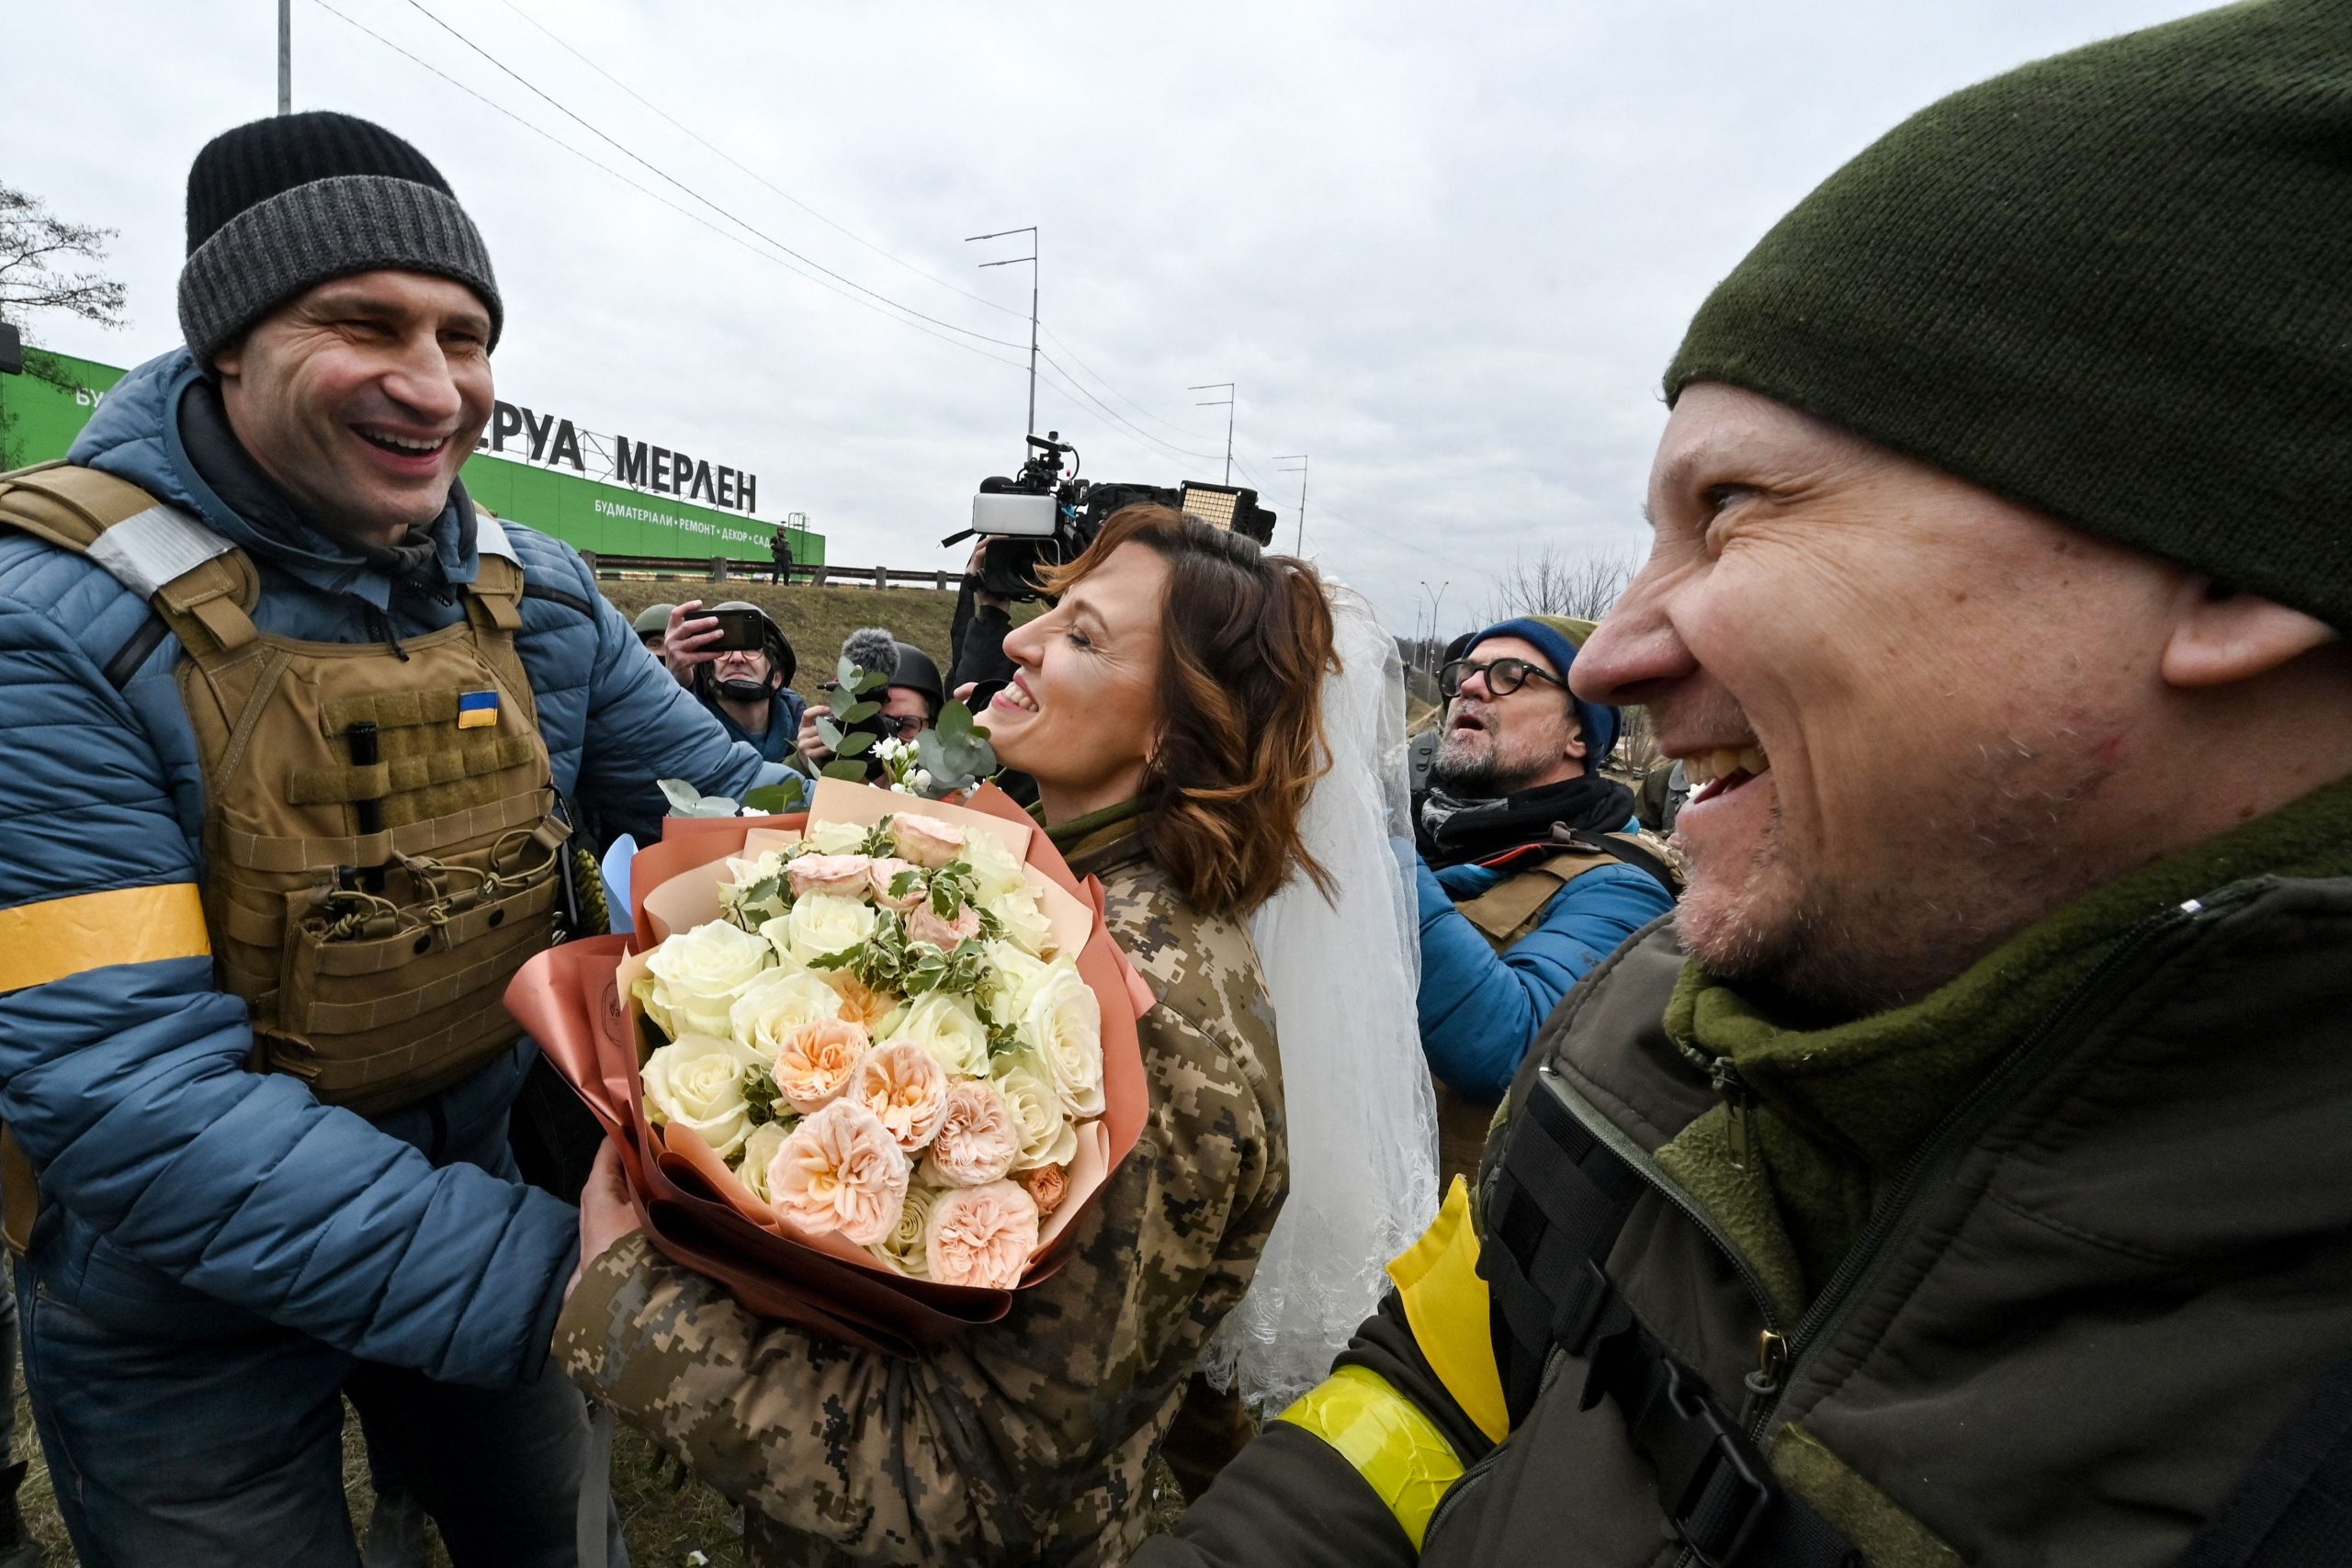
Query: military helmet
{"points": [[653, 620], [781, 658]]}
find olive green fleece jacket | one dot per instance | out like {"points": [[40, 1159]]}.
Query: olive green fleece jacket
{"points": [[1837, 1110]]}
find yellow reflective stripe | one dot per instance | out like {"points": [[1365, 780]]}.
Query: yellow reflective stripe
{"points": [[49, 941], [1446, 1302], [1385, 1438]]}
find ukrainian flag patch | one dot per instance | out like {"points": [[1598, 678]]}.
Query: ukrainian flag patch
{"points": [[476, 709]]}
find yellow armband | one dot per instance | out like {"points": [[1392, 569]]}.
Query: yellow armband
{"points": [[1385, 1438], [61, 937]]}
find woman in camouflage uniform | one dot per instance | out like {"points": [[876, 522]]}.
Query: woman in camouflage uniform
{"points": [[1169, 708]]}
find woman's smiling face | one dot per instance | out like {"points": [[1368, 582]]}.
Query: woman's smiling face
{"points": [[1082, 711]]}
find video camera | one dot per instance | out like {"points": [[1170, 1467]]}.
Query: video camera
{"points": [[1042, 517]]}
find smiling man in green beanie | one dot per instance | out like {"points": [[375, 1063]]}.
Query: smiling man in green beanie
{"points": [[1969, 1182]]}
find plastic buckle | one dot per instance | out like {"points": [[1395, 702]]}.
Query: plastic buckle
{"points": [[1726, 1454]]}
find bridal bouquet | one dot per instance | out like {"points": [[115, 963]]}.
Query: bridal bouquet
{"points": [[883, 1038], [892, 1034]]}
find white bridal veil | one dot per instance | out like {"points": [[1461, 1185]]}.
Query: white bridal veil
{"points": [[1344, 976]]}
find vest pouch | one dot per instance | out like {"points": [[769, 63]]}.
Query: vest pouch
{"points": [[379, 1004]]}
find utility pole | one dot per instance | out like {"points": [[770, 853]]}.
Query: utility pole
{"points": [[1436, 599], [1299, 547], [1030, 229], [285, 56], [1226, 404]]}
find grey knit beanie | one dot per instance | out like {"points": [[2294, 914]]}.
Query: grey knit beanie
{"points": [[284, 204]]}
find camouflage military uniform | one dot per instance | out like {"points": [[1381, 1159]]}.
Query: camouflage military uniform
{"points": [[1026, 1441]]}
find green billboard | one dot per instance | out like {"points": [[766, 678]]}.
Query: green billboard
{"points": [[44, 409]]}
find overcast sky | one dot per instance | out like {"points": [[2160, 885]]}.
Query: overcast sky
{"points": [[1445, 249]]}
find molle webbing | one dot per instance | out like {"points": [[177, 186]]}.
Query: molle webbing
{"points": [[383, 840]]}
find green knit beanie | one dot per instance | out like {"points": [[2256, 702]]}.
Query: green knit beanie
{"points": [[2115, 285]]}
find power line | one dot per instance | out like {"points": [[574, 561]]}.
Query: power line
{"points": [[1104, 383], [565, 109], [566, 45], [652, 195]]}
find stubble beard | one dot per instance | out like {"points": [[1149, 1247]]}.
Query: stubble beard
{"points": [[1470, 765], [1953, 886]]}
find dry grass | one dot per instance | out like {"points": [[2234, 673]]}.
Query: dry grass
{"points": [[817, 619]]}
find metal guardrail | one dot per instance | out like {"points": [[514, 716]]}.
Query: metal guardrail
{"points": [[721, 569]]}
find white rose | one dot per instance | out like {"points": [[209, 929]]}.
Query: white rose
{"points": [[1063, 1023], [947, 1028], [993, 866], [1013, 977], [698, 1082], [760, 1148], [698, 975], [835, 838], [745, 876], [825, 924], [777, 1003], [1047, 1135], [1022, 916]]}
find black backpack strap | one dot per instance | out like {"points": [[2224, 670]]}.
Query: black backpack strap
{"points": [[1629, 849], [2293, 1509], [1556, 1202]]}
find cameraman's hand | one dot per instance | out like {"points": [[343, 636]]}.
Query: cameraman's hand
{"points": [[813, 750], [979, 558], [963, 692], [686, 642]]}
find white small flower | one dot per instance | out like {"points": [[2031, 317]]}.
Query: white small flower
{"points": [[922, 778], [899, 789]]}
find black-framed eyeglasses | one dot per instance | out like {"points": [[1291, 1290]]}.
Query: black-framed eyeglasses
{"points": [[1504, 676], [905, 728]]}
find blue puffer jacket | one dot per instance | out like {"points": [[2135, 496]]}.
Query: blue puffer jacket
{"points": [[183, 1197], [1480, 1009]]}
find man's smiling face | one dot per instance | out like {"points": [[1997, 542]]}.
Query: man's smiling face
{"points": [[1898, 696], [362, 396]]}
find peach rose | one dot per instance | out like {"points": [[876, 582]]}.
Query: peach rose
{"points": [[886, 870], [924, 925], [981, 1235], [1047, 1185], [840, 1170], [906, 1088], [926, 840], [979, 1138], [816, 1061], [841, 875], [861, 1003]]}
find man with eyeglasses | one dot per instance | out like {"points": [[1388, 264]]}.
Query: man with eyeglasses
{"points": [[1530, 872], [910, 700]]}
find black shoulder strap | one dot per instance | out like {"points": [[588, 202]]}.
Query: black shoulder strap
{"points": [[1557, 1204], [2293, 1509]]}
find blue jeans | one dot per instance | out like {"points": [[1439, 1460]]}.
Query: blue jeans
{"points": [[228, 1451]]}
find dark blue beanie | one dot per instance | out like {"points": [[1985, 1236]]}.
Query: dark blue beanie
{"points": [[1550, 636]]}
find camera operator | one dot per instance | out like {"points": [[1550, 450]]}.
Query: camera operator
{"points": [[747, 689], [975, 641], [910, 701]]}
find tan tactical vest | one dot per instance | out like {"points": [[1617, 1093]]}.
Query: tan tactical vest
{"points": [[1503, 914], [381, 834]]}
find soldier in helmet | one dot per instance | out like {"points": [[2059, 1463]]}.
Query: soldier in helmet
{"points": [[911, 698], [652, 625], [749, 689]]}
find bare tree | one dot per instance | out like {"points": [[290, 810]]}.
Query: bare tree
{"points": [[37, 252], [1555, 583]]}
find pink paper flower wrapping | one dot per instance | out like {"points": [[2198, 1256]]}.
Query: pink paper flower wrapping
{"points": [[843, 875], [841, 1170], [905, 1089], [887, 869], [979, 1139], [816, 1062], [924, 925], [926, 840], [1048, 1185], [981, 1235]]}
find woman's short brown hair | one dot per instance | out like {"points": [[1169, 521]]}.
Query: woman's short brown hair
{"points": [[1246, 639]]}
